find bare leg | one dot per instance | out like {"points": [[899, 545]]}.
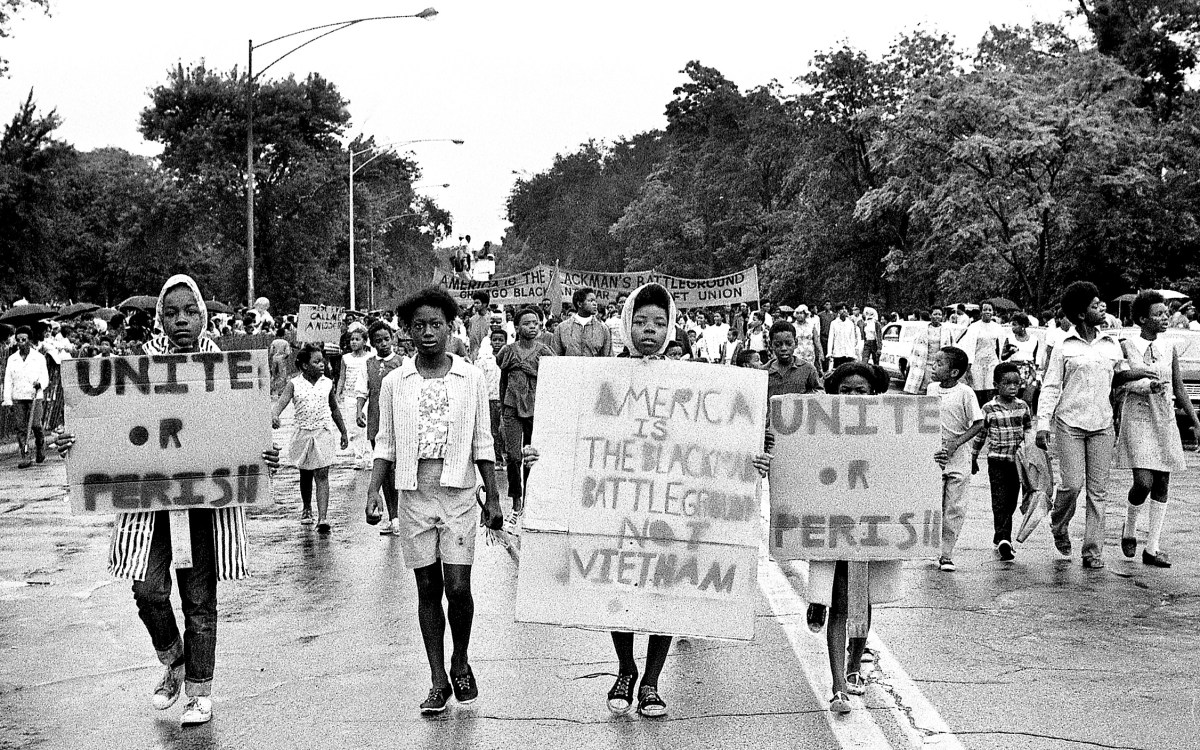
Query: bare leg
{"points": [[835, 630], [432, 620], [461, 613], [322, 478], [306, 488]]}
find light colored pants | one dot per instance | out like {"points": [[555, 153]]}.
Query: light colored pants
{"points": [[954, 509], [357, 435], [1083, 455]]}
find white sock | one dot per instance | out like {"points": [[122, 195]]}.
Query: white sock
{"points": [[1158, 512], [1131, 518]]}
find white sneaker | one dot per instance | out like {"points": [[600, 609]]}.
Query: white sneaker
{"points": [[168, 689], [198, 711], [392, 529]]}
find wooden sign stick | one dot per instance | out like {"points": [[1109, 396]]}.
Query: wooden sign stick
{"points": [[181, 539], [856, 600]]}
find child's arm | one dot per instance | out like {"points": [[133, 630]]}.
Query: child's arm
{"points": [[281, 403], [976, 428], [337, 418], [978, 441]]}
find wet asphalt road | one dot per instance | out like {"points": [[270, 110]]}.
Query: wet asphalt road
{"points": [[320, 647]]}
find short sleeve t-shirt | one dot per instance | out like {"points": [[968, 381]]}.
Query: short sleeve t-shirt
{"points": [[959, 409]]}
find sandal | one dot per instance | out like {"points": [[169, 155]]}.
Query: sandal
{"points": [[855, 684], [840, 704]]}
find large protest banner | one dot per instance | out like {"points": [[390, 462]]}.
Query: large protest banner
{"points": [[642, 513], [167, 431], [688, 293], [853, 478], [525, 288], [321, 324]]}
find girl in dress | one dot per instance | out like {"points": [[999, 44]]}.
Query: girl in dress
{"points": [[354, 366], [312, 449], [808, 338], [1025, 351], [981, 342], [1149, 442]]}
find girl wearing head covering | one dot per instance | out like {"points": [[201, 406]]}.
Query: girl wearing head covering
{"points": [[141, 542], [648, 318]]}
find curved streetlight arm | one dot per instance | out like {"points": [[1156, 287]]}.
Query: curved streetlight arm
{"points": [[333, 27], [384, 148]]}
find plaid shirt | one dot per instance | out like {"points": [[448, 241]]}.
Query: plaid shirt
{"points": [[1004, 428]]}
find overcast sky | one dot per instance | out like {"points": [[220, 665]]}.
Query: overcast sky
{"points": [[518, 80]]}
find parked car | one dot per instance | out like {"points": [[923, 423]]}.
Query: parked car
{"points": [[898, 341]]}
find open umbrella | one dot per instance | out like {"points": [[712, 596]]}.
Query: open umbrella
{"points": [[79, 308], [106, 313], [23, 315], [139, 302], [217, 307], [1170, 294], [1125, 298], [1000, 303]]}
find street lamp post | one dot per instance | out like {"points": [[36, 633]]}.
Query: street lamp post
{"points": [[381, 149], [251, 77]]}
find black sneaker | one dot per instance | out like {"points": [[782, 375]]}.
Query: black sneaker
{"points": [[1006, 551], [650, 703], [1062, 544], [945, 564], [620, 697], [436, 702], [465, 689], [816, 617], [1128, 546]]}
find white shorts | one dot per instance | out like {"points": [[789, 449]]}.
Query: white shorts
{"points": [[436, 522]]}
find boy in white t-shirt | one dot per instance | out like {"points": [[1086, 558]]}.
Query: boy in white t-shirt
{"points": [[961, 421]]}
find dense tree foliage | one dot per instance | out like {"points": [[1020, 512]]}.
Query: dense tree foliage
{"points": [[930, 173], [106, 224]]}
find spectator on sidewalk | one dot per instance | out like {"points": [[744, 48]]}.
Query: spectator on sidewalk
{"points": [[25, 381]]}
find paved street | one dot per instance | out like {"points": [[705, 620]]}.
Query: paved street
{"points": [[321, 649]]}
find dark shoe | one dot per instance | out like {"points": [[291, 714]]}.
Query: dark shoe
{"points": [[25, 464], [168, 689], [1006, 551], [1062, 544], [620, 697], [323, 527], [649, 702], [306, 517], [1093, 563], [816, 617], [41, 457], [946, 565], [1128, 546], [465, 689], [1158, 560], [436, 702]]}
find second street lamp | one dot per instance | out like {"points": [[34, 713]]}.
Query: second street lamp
{"points": [[381, 149], [325, 29]]}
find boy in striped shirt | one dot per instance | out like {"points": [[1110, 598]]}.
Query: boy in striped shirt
{"points": [[1006, 421]]}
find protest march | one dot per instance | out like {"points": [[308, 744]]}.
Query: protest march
{"points": [[789, 377]]}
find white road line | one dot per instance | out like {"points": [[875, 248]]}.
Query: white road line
{"points": [[854, 730], [859, 730]]}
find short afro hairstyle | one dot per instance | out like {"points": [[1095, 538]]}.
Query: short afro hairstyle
{"points": [[580, 296], [483, 297], [431, 296], [1076, 298], [378, 325], [875, 376], [305, 354], [1144, 302], [1004, 368], [781, 326], [533, 310], [957, 359]]}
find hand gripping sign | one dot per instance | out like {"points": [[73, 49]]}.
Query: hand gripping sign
{"points": [[642, 513], [853, 478], [167, 431]]}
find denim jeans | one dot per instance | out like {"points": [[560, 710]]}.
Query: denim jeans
{"points": [[1083, 455], [197, 593]]}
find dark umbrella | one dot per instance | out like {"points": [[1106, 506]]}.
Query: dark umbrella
{"points": [[70, 311], [1126, 298], [140, 302], [106, 313], [217, 307], [1000, 303], [23, 315]]}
